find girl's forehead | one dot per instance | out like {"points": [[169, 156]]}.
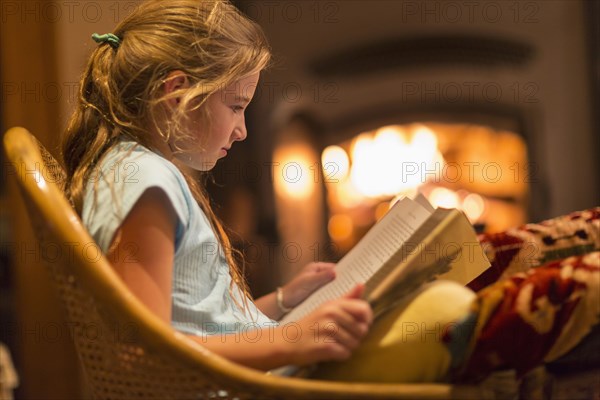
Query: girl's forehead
{"points": [[242, 89]]}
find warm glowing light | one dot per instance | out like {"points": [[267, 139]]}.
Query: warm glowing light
{"points": [[377, 163], [424, 142], [381, 210], [336, 164], [364, 172], [347, 195], [473, 206], [386, 164], [476, 169], [294, 171], [442, 197], [340, 227]]}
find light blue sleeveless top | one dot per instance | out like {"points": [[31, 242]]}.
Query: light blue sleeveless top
{"points": [[202, 300]]}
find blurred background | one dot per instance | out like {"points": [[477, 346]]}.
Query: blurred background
{"points": [[486, 106]]}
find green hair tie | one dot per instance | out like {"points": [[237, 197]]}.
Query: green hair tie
{"points": [[109, 38]]}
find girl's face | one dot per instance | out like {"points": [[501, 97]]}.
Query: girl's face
{"points": [[211, 141]]}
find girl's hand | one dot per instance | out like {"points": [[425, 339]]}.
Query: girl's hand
{"points": [[333, 330], [312, 277]]}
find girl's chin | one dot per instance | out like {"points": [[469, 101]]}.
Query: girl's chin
{"points": [[196, 164], [206, 165]]}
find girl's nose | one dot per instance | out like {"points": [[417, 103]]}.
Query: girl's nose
{"points": [[240, 133]]}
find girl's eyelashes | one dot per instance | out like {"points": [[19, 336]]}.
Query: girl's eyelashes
{"points": [[237, 108]]}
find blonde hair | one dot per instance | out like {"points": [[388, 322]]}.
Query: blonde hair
{"points": [[121, 88]]}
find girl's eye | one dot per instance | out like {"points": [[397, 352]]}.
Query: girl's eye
{"points": [[237, 109]]}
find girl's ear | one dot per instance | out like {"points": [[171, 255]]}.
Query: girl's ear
{"points": [[176, 80]]}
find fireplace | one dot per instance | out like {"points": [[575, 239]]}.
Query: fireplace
{"points": [[496, 92], [470, 167]]}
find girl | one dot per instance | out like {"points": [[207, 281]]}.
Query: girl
{"points": [[166, 93], [163, 94]]}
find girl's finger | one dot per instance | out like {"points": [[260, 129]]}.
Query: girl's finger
{"points": [[324, 275], [356, 292], [346, 318], [358, 309], [336, 332], [321, 266]]}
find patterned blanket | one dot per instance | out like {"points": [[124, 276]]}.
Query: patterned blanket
{"points": [[531, 245], [535, 316], [538, 300]]}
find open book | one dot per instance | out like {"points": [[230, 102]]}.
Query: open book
{"points": [[410, 245]]}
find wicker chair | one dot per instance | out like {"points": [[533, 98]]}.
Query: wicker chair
{"points": [[125, 350]]}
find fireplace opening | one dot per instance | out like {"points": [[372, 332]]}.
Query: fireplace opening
{"points": [[477, 169]]}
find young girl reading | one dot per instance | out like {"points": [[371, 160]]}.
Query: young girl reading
{"points": [[163, 94]]}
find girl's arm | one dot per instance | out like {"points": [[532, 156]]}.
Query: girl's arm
{"points": [[142, 253], [143, 250]]}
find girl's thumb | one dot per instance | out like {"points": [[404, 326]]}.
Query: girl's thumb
{"points": [[356, 292]]}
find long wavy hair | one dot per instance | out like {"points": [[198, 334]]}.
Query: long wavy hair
{"points": [[121, 89]]}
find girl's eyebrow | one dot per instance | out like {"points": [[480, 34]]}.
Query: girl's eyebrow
{"points": [[242, 98]]}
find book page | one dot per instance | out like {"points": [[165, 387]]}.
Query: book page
{"points": [[422, 200], [395, 268], [444, 247], [374, 250]]}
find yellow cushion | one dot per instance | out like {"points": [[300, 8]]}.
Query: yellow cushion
{"points": [[405, 344]]}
